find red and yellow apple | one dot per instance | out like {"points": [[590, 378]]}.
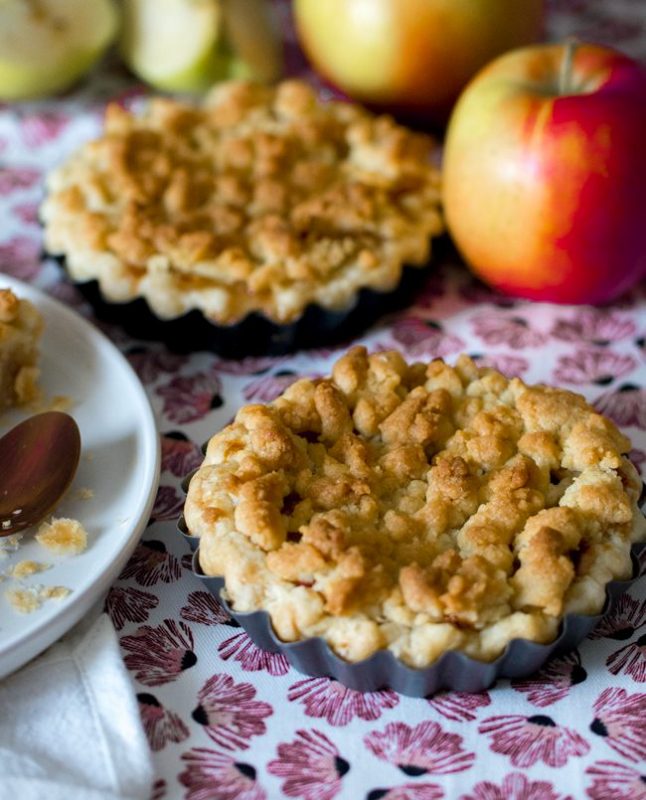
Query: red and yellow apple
{"points": [[545, 173], [411, 56]]}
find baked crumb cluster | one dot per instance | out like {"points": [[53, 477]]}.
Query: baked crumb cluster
{"points": [[261, 199], [27, 599], [420, 508], [21, 326], [61, 537]]}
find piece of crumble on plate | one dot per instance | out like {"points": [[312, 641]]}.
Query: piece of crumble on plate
{"points": [[21, 326], [62, 536], [26, 567]]}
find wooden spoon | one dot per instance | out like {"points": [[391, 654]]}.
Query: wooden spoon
{"points": [[38, 461]]}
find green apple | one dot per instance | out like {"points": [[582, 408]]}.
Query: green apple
{"points": [[46, 45], [187, 45], [252, 35]]}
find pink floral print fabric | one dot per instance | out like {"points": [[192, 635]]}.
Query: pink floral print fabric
{"points": [[228, 721]]}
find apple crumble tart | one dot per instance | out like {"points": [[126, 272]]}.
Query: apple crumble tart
{"points": [[258, 200], [21, 326], [420, 508]]}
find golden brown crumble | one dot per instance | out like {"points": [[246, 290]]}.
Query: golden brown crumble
{"points": [[417, 507], [259, 199], [20, 330], [9, 306], [62, 536], [27, 567], [28, 599], [54, 592], [25, 601]]}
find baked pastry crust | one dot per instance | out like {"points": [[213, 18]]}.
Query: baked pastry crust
{"points": [[21, 326], [261, 199], [420, 508]]}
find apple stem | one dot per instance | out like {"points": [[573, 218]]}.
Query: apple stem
{"points": [[565, 73]]}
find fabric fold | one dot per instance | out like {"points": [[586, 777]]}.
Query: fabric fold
{"points": [[70, 724]]}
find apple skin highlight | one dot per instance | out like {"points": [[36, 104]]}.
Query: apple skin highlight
{"points": [[545, 193], [411, 57]]}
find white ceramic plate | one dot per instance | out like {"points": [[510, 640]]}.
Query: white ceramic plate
{"points": [[119, 464]]}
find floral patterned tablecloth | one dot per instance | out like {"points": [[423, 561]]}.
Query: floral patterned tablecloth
{"points": [[228, 722]]}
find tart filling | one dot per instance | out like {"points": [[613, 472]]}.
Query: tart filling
{"points": [[420, 508], [21, 326], [260, 199]]}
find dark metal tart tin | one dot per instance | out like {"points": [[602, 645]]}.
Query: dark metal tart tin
{"points": [[193, 541], [255, 335], [453, 671]]}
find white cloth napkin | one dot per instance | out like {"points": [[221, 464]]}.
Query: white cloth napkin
{"points": [[70, 726]]}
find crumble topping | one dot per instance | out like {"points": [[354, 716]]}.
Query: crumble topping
{"points": [[9, 306], [21, 326], [418, 507], [62, 536], [260, 199]]}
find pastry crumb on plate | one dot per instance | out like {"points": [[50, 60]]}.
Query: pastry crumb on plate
{"points": [[26, 600], [54, 592], [27, 567], [62, 536]]}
